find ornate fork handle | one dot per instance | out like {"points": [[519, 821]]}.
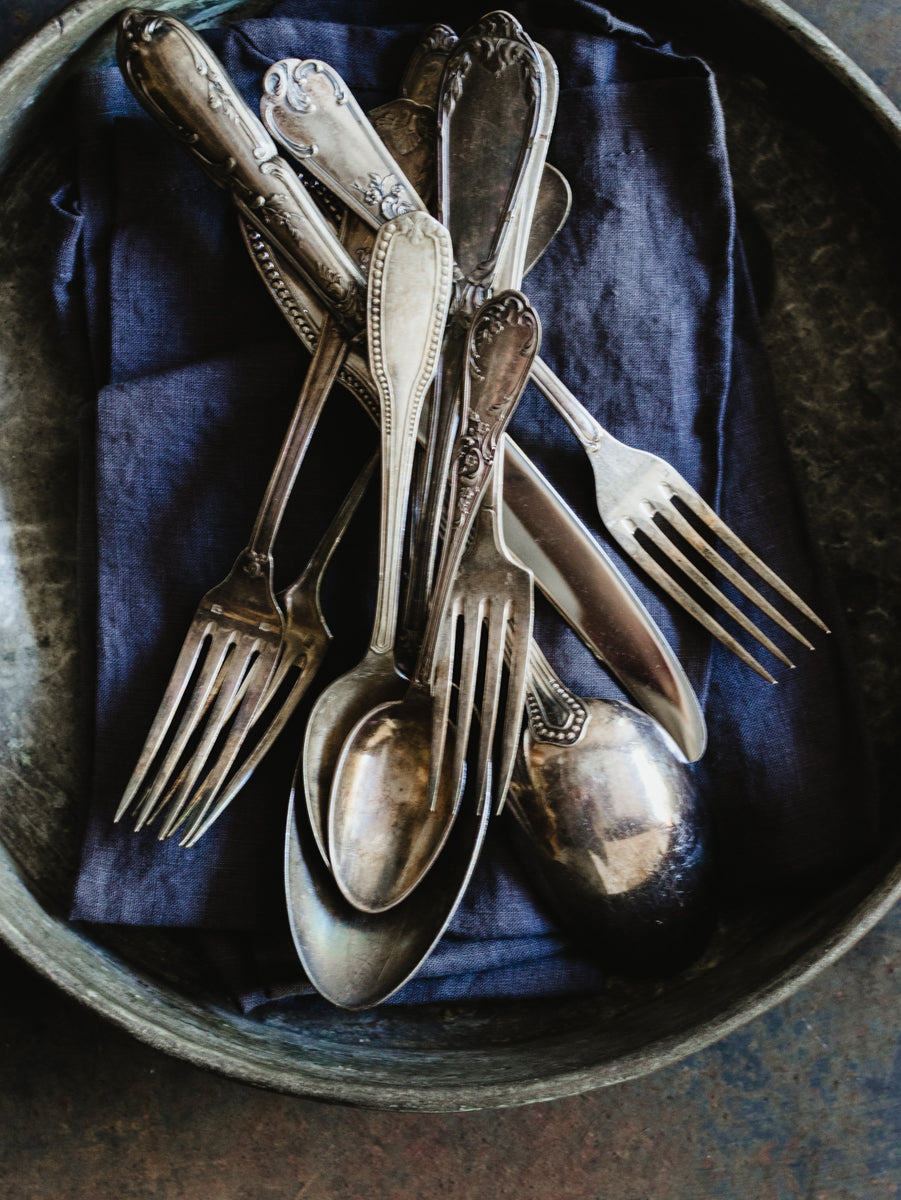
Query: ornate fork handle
{"points": [[176, 77]]}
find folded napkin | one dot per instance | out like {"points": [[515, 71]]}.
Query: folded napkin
{"points": [[649, 318]]}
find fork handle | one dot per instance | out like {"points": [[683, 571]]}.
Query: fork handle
{"points": [[589, 431], [181, 83]]}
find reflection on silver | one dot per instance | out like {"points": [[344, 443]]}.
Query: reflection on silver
{"points": [[611, 832]]}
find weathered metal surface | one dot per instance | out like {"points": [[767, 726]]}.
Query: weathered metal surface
{"points": [[820, 178]]}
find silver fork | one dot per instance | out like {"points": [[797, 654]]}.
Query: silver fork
{"points": [[233, 642], [635, 494], [306, 640], [490, 599]]}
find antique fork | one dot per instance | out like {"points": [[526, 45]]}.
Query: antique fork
{"points": [[638, 495], [489, 605], [307, 637], [232, 645]]}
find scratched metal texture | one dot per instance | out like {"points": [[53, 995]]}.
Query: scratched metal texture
{"points": [[803, 1102]]}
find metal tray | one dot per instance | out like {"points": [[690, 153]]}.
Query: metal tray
{"points": [[817, 159]]}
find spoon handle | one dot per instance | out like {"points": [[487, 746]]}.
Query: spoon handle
{"points": [[518, 249], [555, 714], [489, 117], [410, 281], [425, 66]]}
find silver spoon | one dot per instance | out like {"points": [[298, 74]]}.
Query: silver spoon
{"points": [[409, 293], [609, 826], [357, 959], [391, 804]]}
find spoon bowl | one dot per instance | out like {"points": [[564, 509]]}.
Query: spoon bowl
{"points": [[612, 833], [383, 836]]}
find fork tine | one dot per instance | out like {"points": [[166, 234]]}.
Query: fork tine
{"points": [[442, 689], [473, 615], [702, 509], [491, 692], [183, 670], [239, 778], [660, 539], [679, 594], [175, 786], [201, 695], [716, 560], [245, 716], [235, 678], [518, 672]]}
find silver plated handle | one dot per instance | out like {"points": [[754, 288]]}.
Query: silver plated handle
{"points": [[177, 78], [410, 279], [489, 116], [309, 108]]}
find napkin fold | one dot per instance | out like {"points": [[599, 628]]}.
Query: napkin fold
{"points": [[648, 316]]}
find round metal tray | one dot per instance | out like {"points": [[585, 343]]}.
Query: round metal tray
{"points": [[817, 159]]}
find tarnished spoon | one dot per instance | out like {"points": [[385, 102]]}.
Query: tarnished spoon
{"points": [[409, 293], [609, 826], [391, 806], [356, 959]]}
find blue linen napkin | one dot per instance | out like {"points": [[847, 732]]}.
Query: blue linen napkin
{"points": [[648, 316]]}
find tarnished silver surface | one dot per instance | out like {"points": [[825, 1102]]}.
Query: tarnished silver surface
{"points": [[489, 115], [832, 332], [358, 959], [422, 78], [422, 83], [514, 258], [611, 831], [399, 778], [307, 106], [409, 293], [180, 81]]}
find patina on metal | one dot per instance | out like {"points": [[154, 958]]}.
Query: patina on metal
{"points": [[610, 827]]}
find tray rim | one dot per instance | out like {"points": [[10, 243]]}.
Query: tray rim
{"points": [[167, 1019]]}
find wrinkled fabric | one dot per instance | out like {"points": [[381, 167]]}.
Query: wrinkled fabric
{"points": [[648, 316]]}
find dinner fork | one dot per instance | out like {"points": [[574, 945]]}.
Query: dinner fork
{"points": [[306, 640], [638, 497], [488, 613]]}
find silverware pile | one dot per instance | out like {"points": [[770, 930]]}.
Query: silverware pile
{"points": [[402, 771]]}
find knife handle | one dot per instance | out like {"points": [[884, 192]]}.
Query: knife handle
{"points": [[308, 107], [176, 77]]}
